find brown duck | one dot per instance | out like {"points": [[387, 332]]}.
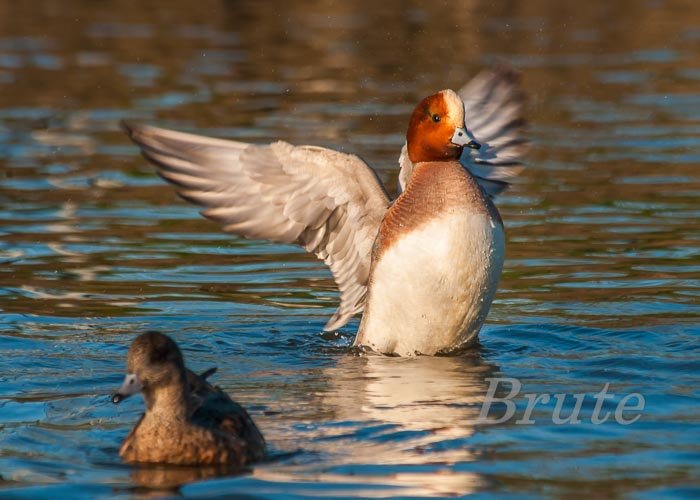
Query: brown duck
{"points": [[187, 421]]}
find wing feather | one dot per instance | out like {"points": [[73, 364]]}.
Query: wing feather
{"points": [[328, 202]]}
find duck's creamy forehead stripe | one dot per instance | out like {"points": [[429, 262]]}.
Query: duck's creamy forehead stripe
{"points": [[455, 107]]}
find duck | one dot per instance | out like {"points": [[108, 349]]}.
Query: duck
{"points": [[187, 420], [422, 268]]}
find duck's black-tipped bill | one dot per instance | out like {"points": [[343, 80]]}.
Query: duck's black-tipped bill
{"points": [[463, 138], [131, 385]]}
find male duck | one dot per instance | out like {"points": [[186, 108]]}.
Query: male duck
{"points": [[187, 421], [423, 268]]}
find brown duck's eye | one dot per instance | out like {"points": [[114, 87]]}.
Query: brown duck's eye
{"points": [[436, 118]]}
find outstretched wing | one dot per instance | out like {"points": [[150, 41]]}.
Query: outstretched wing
{"points": [[328, 202], [493, 107]]}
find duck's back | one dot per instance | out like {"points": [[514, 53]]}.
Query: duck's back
{"points": [[218, 411], [435, 265]]}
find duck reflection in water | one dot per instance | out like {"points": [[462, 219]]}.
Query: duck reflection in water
{"points": [[415, 416], [156, 480]]}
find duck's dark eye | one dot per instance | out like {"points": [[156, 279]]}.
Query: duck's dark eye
{"points": [[131, 382], [436, 118]]}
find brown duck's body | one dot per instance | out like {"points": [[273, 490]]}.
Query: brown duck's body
{"points": [[181, 443], [187, 421]]}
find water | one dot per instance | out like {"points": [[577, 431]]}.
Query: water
{"points": [[601, 283]]}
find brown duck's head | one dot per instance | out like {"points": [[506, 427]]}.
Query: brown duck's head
{"points": [[154, 361], [436, 131]]}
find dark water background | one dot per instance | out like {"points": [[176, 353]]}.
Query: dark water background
{"points": [[601, 285]]}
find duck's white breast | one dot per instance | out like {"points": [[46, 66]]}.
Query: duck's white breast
{"points": [[432, 289]]}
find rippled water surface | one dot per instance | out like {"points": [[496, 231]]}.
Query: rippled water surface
{"points": [[601, 285]]}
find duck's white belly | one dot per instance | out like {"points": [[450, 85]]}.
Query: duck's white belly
{"points": [[431, 290]]}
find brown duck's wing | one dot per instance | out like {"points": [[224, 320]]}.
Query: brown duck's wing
{"points": [[198, 384], [213, 409], [328, 202], [493, 114], [208, 373], [218, 412]]}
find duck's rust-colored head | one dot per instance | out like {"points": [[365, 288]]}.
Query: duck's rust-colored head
{"points": [[436, 131]]}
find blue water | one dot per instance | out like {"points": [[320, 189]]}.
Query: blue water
{"points": [[601, 285]]}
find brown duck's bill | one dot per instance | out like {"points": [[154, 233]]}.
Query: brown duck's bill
{"points": [[131, 385]]}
